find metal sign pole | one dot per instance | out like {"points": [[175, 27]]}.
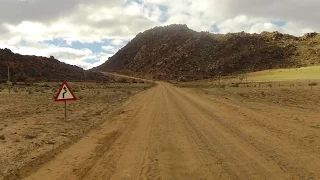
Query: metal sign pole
{"points": [[65, 94], [65, 110]]}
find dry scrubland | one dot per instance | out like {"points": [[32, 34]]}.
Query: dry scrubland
{"points": [[267, 128], [298, 87], [285, 102], [177, 133], [301, 94], [32, 125]]}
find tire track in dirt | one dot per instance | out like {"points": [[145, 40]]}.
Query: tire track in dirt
{"points": [[76, 161], [173, 133], [168, 148], [233, 155], [279, 150], [285, 128], [129, 148]]}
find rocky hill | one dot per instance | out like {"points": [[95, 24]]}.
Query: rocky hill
{"points": [[34, 68], [176, 51]]}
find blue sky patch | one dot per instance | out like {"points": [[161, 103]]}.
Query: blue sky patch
{"points": [[214, 29], [91, 61], [57, 42], [95, 47], [136, 1], [165, 15], [279, 23], [23, 43]]}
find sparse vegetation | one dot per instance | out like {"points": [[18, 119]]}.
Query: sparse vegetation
{"points": [[268, 91], [241, 77], [313, 84], [30, 91], [129, 92], [15, 89], [76, 89], [45, 118]]}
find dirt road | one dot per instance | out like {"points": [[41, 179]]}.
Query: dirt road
{"points": [[175, 133]]}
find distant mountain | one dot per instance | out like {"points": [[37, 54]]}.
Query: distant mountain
{"points": [[175, 51], [34, 68]]}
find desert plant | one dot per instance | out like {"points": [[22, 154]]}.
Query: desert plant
{"points": [[235, 85], [129, 93], [223, 86], [76, 89], [37, 90], [54, 90], [30, 91], [241, 77], [313, 84], [80, 96], [15, 90]]}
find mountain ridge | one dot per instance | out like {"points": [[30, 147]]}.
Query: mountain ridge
{"points": [[36, 68], [175, 51]]}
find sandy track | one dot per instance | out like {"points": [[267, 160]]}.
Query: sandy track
{"points": [[174, 133]]}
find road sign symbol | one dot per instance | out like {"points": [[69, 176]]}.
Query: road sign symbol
{"points": [[65, 93]]}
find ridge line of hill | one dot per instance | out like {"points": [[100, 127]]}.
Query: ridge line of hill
{"points": [[177, 52]]}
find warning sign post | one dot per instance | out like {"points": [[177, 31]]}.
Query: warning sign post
{"points": [[65, 94]]}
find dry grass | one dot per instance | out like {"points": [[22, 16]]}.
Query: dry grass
{"points": [[305, 73], [290, 87], [33, 124], [301, 94]]}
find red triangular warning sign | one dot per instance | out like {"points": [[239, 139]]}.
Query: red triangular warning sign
{"points": [[65, 93]]}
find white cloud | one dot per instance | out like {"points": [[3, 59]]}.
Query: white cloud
{"points": [[117, 42], [101, 57], [109, 48], [134, 9], [266, 26]]}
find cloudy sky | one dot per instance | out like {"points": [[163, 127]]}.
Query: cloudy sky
{"points": [[87, 32]]}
